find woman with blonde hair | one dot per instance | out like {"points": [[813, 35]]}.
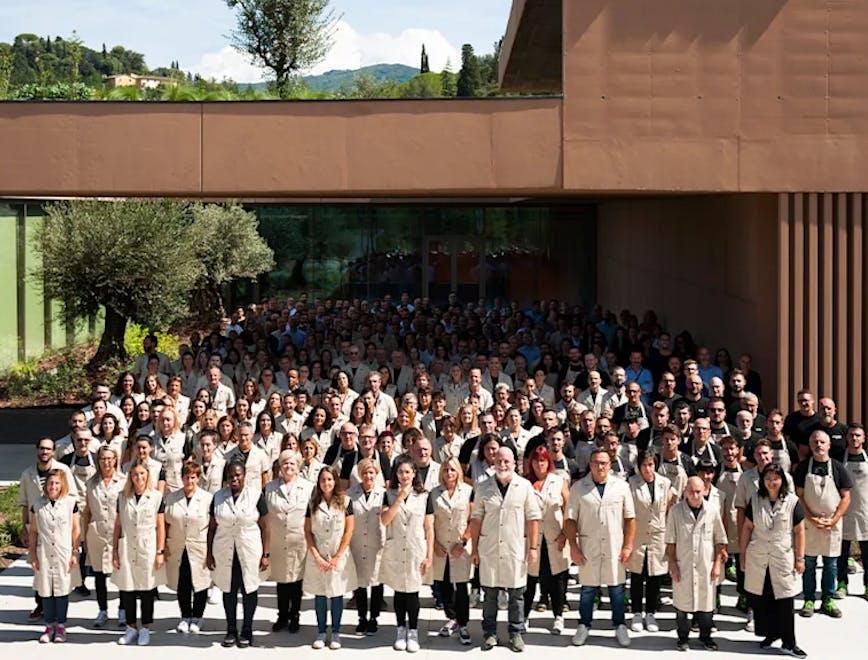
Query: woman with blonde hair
{"points": [[468, 423], [452, 504], [98, 523], [54, 539], [169, 443], [138, 548], [310, 464], [405, 421], [153, 389]]}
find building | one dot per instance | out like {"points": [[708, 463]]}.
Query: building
{"points": [[135, 80], [707, 160]]}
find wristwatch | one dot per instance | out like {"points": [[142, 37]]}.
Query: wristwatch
{"points": [[266, 555]]}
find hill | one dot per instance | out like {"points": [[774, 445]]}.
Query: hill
{"points": [[333, 81]]}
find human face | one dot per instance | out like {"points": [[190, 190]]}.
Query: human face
{"points": [[422, 452], [820, 443], [369, 478], [349, 435], [762, 456], [647, 468], [669, 444], [550, 419], [451, 476], [737, 383], [594, 381], [716, 411], [190, 482], [128, 383], [367, 441], [694, 491], [236, 478], [504, 463], [143, 450], [405, 474], [634, 393], [701, 431], [731, 453], [806, 403], [486, 423], [540, 467], [107, 461], [828, 410], [556, 443], [139, 477], [387, 444], [53, 487], [319, 418], [206, 446], [167, 420], [855, 440], [660, 417], [600, 465], [773, 481], [682, 416], [308, 451], [694, 385], [289, 468], [245, 438]]}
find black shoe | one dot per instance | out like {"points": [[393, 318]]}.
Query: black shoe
{"points": [[383, 607], [35, 614], [362, 627], [244, 642], [767, 642], [231, 639], [708, 644], [278, 625], [796, 652], [82, 590], [351, 603], [294, 626], [682, 645], [372, 627]]}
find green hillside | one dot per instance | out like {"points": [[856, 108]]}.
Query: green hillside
{"points": [[334, 81]]}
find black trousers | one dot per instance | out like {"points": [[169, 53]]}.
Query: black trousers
{"points": [[230, 602], [774, 618], [644, 586], [288, 600], [682, 623], [407, 609], [192, 604], [361, 596], [456, 598], [555, 586], [101, 581], [845, 555], [128, 602]]}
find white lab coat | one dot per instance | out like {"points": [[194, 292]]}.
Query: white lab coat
{"points": [[287, 504], [369, 535], [54, 549], [771, 547], [451, 517], [552, 506], [102, 508], [650, 525], [237, 532], [327, 525], [137, 547], [405, 546], [187, 529]]}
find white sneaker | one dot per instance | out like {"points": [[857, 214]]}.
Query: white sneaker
{"points": [[335, 644], [122, 618], [474, 597], [581, 635], [666, 600], [400, 639], [195, 626], [144, 636], [101, 619], [558, 625], [622, 635], [651, 623], [130, 636], [183, 626], [749, 626], [412, 641], [502, 600], [319, 642], [636, 623], [448, 629], [214, 595]]}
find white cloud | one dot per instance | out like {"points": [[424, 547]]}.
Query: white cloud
{"points": [[351, 50]]}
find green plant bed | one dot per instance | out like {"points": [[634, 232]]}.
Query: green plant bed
{"points": [[11, 528]]}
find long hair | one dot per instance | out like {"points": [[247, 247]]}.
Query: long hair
{"points": [[541, 453], [773, 468], [128, 487], [64, 483], [403, 459], [338, 494]]}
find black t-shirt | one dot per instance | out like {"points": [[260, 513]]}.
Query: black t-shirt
{"points": [[798, 513], [837, 435], [855, 458], [53, 502], [162, 508], [699, 407], [798, 428], [429, 505], [570, 466], [261, 505], [695, 510], [839, 473], [348, 512], [465, 453]]}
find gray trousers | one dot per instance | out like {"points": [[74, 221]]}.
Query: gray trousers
{"points": [[515, 610]]}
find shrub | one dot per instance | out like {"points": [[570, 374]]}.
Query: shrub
{"points": [[11, 527], [135, 335], [33, 379]]}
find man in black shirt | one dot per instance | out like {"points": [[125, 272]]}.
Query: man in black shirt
{"points": [[717, 418], [693, 395], [836, 431], [823, 486], [799, 424]]}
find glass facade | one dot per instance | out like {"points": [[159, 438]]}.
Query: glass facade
{"points": [[516, 252]]}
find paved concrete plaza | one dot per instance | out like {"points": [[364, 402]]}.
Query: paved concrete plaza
{"points": [[823, 638]]}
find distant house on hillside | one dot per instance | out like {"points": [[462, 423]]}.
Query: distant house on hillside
{"points": [[135, 80]]}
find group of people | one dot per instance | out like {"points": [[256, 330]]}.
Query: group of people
{"points": [[341, 447]]}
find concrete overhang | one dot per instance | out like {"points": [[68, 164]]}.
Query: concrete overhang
{"points": [[531, 56]]}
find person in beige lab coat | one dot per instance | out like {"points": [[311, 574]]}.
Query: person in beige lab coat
{"points": [[452, 506], [257, 466], [168, 441], [238, 550], [212, 464], [369, 536], [504, 530], [409, 549], [600, 527], [54, 538], [696, 548], [772, 555], [98, 523], [138, 551], [329, 570], [652, 497], [187, 519], [287, 499], [823, 486], [856, 519]]}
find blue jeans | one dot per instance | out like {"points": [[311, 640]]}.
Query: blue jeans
{"points": [[515, 610], [586, 604], [320, 604], [829, 582], [54, 609]]}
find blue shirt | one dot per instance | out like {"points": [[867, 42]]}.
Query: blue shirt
{"points": [[709, 372], [531, 353], [644, 378]]}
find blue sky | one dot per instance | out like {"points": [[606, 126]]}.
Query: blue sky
{"points": [[195, 32]]}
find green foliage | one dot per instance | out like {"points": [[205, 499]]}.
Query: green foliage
{"points": [[335, 81], [135, 334], [60, 91], [284, 36], [448, 80], [425, 85], [30, 380], [11, 528], [5, 70], [469, 78]]}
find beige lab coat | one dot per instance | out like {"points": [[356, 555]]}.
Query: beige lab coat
{"points": [[369, 535], [650, 525], [856, 518], [552, 506], [102, 508], [237, 532], [327, 525], [771, 547], [287, 504], [137, 546], [187, 529], [451, 517], [54, 547], [405, 546]]}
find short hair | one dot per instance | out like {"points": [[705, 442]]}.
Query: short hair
{"points": [[644, 454], [672, 430], [39, 440], [64, 482], [191, 467], [366, 463], [597, 452], [728, 440]]}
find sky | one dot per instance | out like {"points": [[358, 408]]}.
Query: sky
{"points": [[196, 32]]}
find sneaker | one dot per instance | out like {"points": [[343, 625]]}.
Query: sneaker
{"points": [[708, 644], [129, 637], [767, 643], [749, 624], [35, 614], [279, 624], [796, 652], [682, 645], [319, 642], [183, 626], [731, 573], [502, 600], [581, 635], [122, 618], [489, 642], [558, 625], [372, 628], [144, 636], [101, 619], [464, 635], [851, 566], [362, 627], [542, 604], [82, 590], [636, 623], [46, 635], [214, 596], [59, 634], [335, 644], [807, 609], [516, 643], [400, 639], [412, 641], [245, 641], [195, 626], [448, 629], [294, 625], [741, 605], [830, 609], [622, 635], [474, 599], [665, 600], [651, 624], [694, 626], [230, 640], [841, 591]]}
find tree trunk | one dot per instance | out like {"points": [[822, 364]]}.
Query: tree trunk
{"points": [[111, 345], [297, 277]]}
